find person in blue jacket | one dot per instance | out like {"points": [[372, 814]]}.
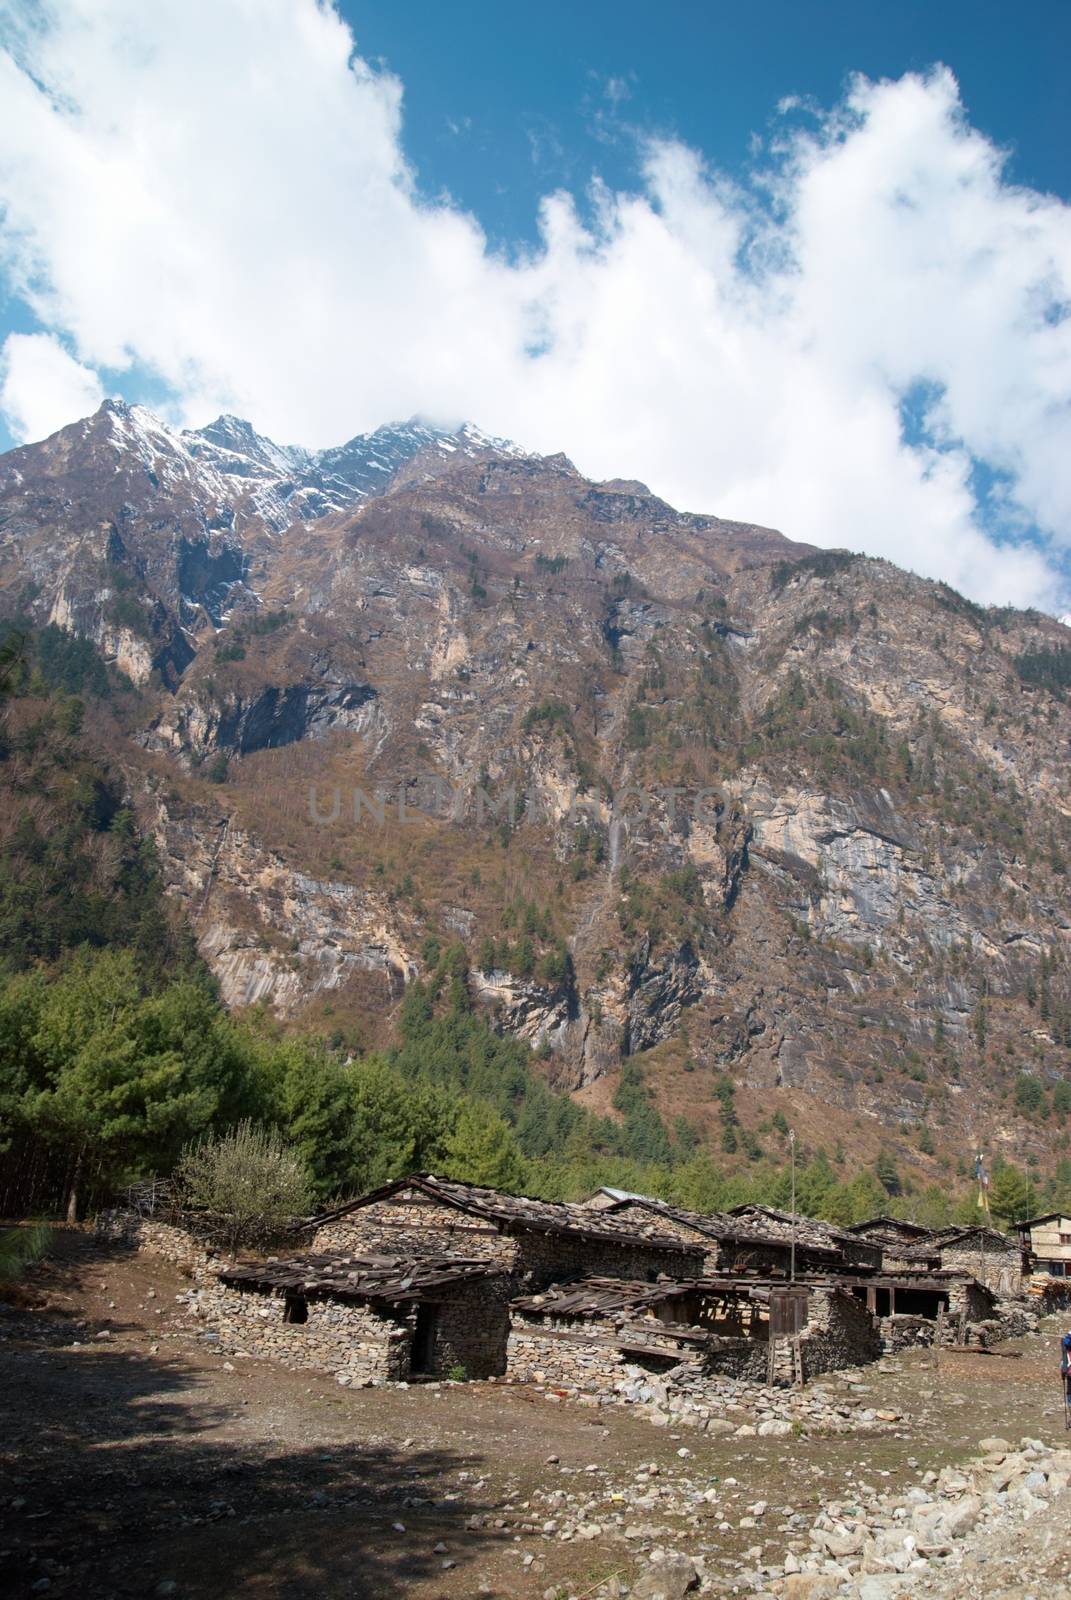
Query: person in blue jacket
{"points": [[1065, 1366]]}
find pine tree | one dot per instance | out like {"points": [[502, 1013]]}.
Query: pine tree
{"points": [[482, 1149], [124, 1079], [888, 1176], [1012, 1197]]}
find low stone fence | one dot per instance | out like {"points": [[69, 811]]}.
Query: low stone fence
{"points": [[164, 1239], [560, 1354]]}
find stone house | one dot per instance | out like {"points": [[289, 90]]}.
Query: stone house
{"points": [[904, 1245], [533, 1242], [856, 1251], [731, 1244], [925, 1307], [991, 1257], [366, 1320], [587, 1335]]}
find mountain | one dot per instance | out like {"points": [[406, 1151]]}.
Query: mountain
{"points": [[789, 828]]}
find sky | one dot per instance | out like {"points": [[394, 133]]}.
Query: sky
{"points": [[803, 263]]}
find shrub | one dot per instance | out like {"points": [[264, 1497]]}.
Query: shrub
{"points": [[20, 1248], [248, 1182]]}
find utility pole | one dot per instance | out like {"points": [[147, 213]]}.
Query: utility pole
{"points": [[792, 1159]]}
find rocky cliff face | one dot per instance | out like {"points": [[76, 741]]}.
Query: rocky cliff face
{"points": [[687, 792]]}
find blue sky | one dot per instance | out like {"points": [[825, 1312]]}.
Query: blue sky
{"points": [[803, 264], [503, 101]]}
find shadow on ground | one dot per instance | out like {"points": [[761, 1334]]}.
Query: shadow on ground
{"points": [[120, 1475]]}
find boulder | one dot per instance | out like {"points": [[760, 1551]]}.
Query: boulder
{"points": [[671, 1579], [809, 1586]]}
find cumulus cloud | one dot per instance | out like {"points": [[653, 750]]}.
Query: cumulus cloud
{"points": [[42, 387], [218, 192]]}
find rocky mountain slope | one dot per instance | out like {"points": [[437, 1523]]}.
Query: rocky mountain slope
{"points": [[690, 794]]}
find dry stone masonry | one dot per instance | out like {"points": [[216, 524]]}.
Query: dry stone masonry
{"points": [[626, 1302]]}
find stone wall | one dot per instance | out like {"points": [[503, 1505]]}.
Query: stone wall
{"points": [[744, 1258], [585, 1352], [893, 1260], [407, 1224], [543, 1259], [965, 1297], [164, 1239], [358, 1343], [745, 1359], [472, 1330], [564, 1354], [905, 1332], [840, 1333], [1000, 1270], [362, 1343], [739, 1256], [673, 1228]]}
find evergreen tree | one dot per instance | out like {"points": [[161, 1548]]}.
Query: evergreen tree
{"points": [[1012, 1197], [481, 1149], [888, 1176], [313, 1098], [123, 1079]]}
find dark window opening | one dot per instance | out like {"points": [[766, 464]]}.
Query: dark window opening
{"points": [[295, 1308], [920, 1302]]}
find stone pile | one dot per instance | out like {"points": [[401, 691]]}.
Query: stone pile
{"points": [[942, 1536], [995, 1528], [736, 1408]]}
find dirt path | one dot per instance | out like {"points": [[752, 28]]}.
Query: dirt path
{"points": [[135, 1459]]}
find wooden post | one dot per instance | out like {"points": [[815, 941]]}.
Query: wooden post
{"points": [[792, 1154], [892, 1299]]}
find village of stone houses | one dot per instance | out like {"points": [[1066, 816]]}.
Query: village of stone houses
{"points": [[438, 1389]]}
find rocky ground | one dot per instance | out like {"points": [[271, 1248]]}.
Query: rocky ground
{"points": [[135, 1459]]}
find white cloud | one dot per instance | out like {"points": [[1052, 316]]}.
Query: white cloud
{"points": [[217, 190], [42, 387]]}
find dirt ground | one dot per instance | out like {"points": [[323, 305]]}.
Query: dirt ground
{"points": [[136, 1459]]}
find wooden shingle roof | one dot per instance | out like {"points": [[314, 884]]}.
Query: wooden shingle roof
{"points": [[361, 1278], [976, 1235], [809, 1230], [728, 1226], [884, 1225], [608, 1297], [512, 1212]]}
